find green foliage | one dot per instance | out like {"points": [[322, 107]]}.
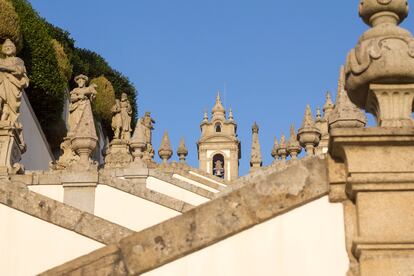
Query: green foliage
{"points": [[62, 36], [46, 48], [46, 90], [104, 101], [9, 24], [65, 68]]}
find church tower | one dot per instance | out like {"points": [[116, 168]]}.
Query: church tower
{"points": [[218, 148]]}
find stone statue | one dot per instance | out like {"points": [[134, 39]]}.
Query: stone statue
{"points": [[148, 123], [218, 168], [13, 79], [116, 119], [79, 98], [81, 139], [126, 112]]}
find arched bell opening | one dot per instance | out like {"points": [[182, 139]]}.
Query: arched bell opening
{"points": [[218, 165], [218, 127]]}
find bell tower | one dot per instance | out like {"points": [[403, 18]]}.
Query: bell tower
{"points": [[218, 147]]}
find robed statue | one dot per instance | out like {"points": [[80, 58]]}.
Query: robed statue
{"points": [[13, 79], [121, 118], [126, 112], [148, 123], [80, 97], [116, 123]]}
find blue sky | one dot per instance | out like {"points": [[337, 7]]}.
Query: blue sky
{"points": [[269, 58]]}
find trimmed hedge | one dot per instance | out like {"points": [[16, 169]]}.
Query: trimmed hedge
{"points": [[104, 101], [41, 62], [9, 26], [65, 68], [47, 85]]}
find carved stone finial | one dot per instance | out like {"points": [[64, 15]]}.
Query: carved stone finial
{"points": [[165, 152], [256, 155], [345, 113], [384, 53], [318, 114], [231, 118], [309, 135], [293, 145], [205, 117], [328, 106], [218, 109], [282, 150], [138, 142], [275, 149], [182, 151], [375, 12]]}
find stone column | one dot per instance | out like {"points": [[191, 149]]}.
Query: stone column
{"points": [[374, 174], [372, 169]]}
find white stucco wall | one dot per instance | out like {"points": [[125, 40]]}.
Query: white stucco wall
{"points": [[29, 245], [175, 191], [52, 191], [127, 210], [38, 154], [306, 241]]}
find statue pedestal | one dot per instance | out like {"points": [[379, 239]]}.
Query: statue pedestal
{"points": [[372, 171], [119, 154], [11, 149], [79, 189]]}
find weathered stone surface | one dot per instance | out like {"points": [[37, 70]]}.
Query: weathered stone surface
{"points": [[268, 195], [18, 197], [372, 172], [105, 262]]}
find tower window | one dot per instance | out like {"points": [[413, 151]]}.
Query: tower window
{"points": [[218, 127], [218, 165]]}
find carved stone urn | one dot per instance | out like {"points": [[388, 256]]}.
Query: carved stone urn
{"points": [[84, 146], [384, 55]]}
